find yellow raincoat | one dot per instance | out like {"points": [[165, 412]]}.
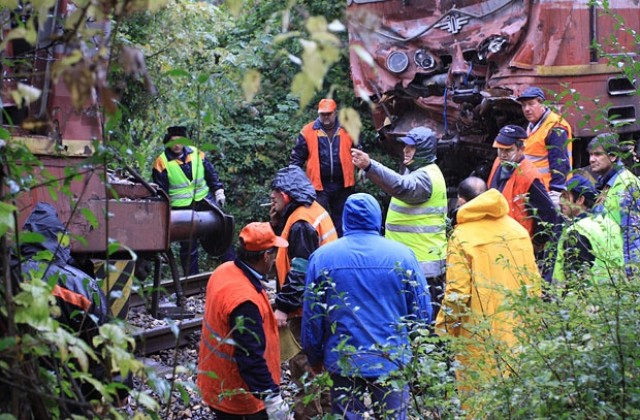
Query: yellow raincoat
{"points": [[489, 257]]}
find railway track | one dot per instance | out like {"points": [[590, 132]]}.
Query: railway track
{"points": [[175, 333], [191, 285], [166, 337]]}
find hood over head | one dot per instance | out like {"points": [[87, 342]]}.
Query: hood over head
{"points": [[490, 204], [426, 144], [293, 181], [44, 220], [361, 212]]}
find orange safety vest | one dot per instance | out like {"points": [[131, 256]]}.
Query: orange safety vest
{"points": [[516, 190], [313, 162], [317, 217], [219, 379], [535, 146]]}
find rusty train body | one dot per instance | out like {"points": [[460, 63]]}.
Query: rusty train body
{"points": [[99, 206], [457, 66]]}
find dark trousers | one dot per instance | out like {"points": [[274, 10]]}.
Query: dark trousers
{"points": [[189, 257], [332, 198], [436, 289], [348, 399]]}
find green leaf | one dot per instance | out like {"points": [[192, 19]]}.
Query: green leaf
{"points": [[27, 237], [113, 247], [91, 218], [6, 217], [178, 73], [203, 78], [145, 400], [7, 342]]}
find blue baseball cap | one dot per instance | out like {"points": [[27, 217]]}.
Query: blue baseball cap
{"points": [[410, 141], [531, 92], [508, 135], [583, 187]]}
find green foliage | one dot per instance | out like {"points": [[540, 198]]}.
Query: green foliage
{"points": [[578, 357]]}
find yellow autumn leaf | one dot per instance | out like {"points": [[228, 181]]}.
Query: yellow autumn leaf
{"points": [[350, 120], [303, 88], [16, 33], [251, 84], [316, 24], [234, 6]]}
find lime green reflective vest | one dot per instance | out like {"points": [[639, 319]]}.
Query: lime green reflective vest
{"points": [[624, 181], [182, 191], [422, 227], [605, 237]]}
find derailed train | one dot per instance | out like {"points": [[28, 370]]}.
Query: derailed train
{"points": [[457, 66], [40, 93]]}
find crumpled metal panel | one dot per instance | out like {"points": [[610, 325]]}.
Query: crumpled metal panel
{"points": [[466, 61]]}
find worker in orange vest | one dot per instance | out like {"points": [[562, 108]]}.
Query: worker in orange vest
{"points": [[521, 184], [298, 218], [239, 358], [325, 148], [548, 143]]}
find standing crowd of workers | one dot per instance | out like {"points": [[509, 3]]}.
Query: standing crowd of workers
{"points": [[351, 290]]}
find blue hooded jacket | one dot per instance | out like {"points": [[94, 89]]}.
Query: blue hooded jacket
{"points": [[359, 290]]}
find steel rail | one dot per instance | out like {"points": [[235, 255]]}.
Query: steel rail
{"points": [[191, 285], [166, 337]]}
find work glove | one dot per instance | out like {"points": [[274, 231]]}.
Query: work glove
{"points": [[277, 408], [220, 198]]}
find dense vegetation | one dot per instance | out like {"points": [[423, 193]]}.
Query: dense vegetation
{"points": [[245, 83]]}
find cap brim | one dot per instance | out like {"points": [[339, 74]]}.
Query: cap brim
{"points": [[407, 140], [501, 146], [526, 98]]}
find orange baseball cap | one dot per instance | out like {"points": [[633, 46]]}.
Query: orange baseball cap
{"points": [[259, 236], [327, 105]]}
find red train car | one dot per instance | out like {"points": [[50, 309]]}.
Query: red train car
{"points": [[63, 137], [64, 71], [457, 67]]}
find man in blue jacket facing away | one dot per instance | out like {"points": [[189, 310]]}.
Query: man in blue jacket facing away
{"points": [[364, 294]]}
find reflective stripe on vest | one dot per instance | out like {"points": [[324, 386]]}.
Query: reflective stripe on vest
{"points": [[182, 191], [421, 226], [313, 161], [535, 146], [605, 238], [72, 297], [316, 216]]}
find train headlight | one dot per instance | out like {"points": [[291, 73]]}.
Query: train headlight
{"points": [[492, 45], [397, 62], [424, 60]]}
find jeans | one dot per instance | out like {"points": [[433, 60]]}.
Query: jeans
{"points": [[349, 399]]}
